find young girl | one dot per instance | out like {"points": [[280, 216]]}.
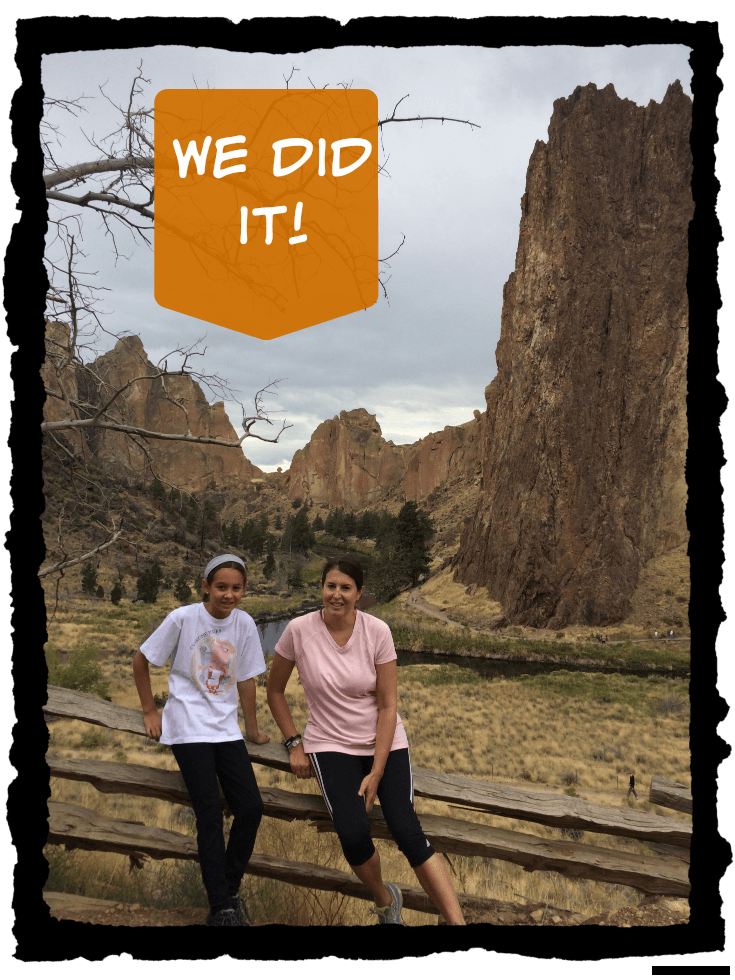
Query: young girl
{"points": [[355, 743], [214, 648]]}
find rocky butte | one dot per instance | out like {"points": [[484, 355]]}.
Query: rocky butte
{"points": [[586, 432], [146, 405], [347, 463]]}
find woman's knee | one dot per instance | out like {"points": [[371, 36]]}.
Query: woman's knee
{"points": [[357, 851], [357, 845]]}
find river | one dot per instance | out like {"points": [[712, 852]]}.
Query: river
{"points": [[270, 633]]}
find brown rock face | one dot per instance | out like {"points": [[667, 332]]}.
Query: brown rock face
{"points": [[60, 379], [454, 452], [583, 466], [147, 405], [347, 463]]}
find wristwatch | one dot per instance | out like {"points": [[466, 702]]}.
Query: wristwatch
{"points": [[292, 742]]}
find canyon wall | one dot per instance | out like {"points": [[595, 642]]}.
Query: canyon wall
{"points": [[347, 463], [150, 406], [585, 438]]}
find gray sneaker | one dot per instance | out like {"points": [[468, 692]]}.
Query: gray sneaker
{"points": [[242, 910], [391, 916], [225, 917]]}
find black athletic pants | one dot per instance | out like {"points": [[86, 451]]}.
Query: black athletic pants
{"points": [[201, 764], [339, 776]]}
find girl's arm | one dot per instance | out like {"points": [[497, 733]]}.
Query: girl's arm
{"points": [[387, 696], [280, 671], [151, 714], [246, 690]]}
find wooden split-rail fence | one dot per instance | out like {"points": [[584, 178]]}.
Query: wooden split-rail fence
{"points": [[665, 873]]}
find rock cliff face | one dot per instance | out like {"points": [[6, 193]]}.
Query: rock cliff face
{"points": [[442, 456], [147, 405], [348, 464], [586, 433]]}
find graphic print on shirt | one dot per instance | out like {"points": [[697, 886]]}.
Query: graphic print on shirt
{"points": [[214, 665]]}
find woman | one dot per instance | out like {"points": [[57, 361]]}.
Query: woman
{"points": [[355, 743]]}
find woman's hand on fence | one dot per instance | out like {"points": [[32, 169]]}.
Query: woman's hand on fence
{"points": [[369, 789], [152, 721], [300, 763]]}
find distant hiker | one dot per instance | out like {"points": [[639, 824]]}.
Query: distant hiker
{"points": [[354, 742], [605, 637], [631, 787], [216, 655], [671, 634], [655, 634]]}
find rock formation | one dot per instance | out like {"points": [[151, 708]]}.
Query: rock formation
{"points": [[586, 432], [443, 456], [147, 405], [348, 464]]}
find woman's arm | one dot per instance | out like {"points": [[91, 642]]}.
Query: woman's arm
{"points": [[387, 697], [142, 677], [280, 671]]}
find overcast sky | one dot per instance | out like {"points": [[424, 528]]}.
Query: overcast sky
{"points": [[423, 360]]}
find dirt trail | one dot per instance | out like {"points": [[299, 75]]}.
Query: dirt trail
{"points": [[96, 911], [417, 602]]}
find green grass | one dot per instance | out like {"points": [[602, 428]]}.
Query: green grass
{"points": [[622, 689], [443, 674]]}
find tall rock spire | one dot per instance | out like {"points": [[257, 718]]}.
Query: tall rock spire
{"points": [[586, 432]]}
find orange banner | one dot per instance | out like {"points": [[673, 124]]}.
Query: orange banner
{"points": [[266, 214]]}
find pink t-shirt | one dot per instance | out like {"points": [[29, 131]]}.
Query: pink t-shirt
{"points": [[340, 682]]}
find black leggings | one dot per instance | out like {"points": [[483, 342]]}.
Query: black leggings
{"points": [[339, 776], [201, 764]]}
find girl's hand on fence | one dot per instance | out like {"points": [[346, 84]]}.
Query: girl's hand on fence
{"points": [[369, 789], [152, 721], [300, 763], [259, 738]]}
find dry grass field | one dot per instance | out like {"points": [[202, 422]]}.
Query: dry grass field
{"points": [[660, 601], [565, 732]]}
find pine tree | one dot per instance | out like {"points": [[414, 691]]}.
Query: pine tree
{"points": [[413, 529], [278, 524], [157, 489], [182, 589], [302, 536], [89, 579], [147, 586], [100, 593], [317, 523], [270, 566], [116, 594]]}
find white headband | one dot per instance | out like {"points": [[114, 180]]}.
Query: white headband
{"points": [[219, 560]]}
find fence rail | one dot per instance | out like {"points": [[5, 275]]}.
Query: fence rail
{"points": [[665, 874]]}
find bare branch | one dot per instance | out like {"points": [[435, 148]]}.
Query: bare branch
{"points": [[90, 196], [393, 118], [81, 170], [394, 253], [67, 563]]}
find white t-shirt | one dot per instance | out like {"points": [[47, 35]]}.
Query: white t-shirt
{"points": [[340, 682], [210, 656]]}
